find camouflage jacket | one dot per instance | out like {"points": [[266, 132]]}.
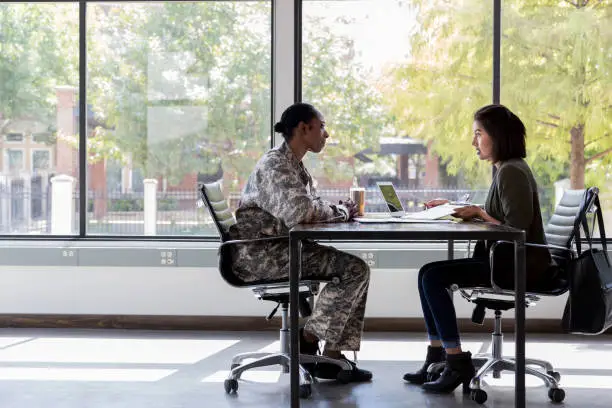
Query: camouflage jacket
{"points": [[279, 194]]}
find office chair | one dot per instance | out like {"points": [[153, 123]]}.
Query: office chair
{"points": [[270, 290], [560, 237]]}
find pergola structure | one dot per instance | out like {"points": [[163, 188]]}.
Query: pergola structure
{"points": [[409, 152]]}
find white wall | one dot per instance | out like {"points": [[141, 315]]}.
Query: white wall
{"points": [[190, 291]]}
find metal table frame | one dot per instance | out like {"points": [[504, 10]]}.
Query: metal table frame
{"points": [[409, 232]]}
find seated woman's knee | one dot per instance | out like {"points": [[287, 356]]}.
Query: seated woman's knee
{"points": [[358, 268], [425, 270], [432, 276]]}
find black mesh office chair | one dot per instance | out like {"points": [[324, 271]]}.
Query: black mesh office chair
{"points": [[276, 291], [560, 237]]}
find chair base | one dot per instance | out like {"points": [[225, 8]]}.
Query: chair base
{"points": [[495, 363], [490, 364], [282, 358]]}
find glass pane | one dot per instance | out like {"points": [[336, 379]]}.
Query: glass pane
{"points": [[41, 160], [556, 73], [179, 93], [398, 83], [38, 96], [15, 162]]}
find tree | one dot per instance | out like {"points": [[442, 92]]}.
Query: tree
{"points": [[35, 57], [180, 84], [341, 88], [556, 75]]}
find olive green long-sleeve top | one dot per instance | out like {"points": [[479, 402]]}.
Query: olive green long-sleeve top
{"points": [[513, 199]]}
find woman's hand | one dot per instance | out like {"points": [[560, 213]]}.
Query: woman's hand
{"points": [[469, 212], [351, 207], [436, 202]]}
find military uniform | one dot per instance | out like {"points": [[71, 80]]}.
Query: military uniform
{"points": [[279, 195]]}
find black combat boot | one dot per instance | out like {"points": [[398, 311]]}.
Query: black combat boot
{"points": [[458, 370], [434, 355]]}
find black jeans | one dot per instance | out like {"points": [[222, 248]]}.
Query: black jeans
{"points": [[434, 281]]}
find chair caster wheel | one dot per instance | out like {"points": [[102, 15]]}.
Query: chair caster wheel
{"points": [[478, 396], [230, 385], [344, 376], [554, 374], [556, 394], [234, 366], [305, 390]]}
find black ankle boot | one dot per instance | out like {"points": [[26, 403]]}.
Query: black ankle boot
{"points": [[458, 370], [434, 355]]}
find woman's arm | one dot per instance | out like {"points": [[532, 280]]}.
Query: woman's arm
{"points": [[473, 211], [516, 196], [487, 218], [288, 198]]}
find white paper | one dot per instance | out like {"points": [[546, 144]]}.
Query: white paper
{"points": [[433, 213], [380, 220]]}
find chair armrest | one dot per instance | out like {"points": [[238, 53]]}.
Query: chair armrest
{"points": [[529, 244], [249, 241]]}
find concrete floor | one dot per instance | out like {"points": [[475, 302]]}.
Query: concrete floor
{"points": [[113, 369]]}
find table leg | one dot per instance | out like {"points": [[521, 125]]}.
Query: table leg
{"points": [[295, 249], [451, 249], [519, 329]]}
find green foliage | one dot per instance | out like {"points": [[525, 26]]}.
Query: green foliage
{"points": [[336, 84], [434, 96], [556, 75], [126, 204], [35, 58], [191, 86]]}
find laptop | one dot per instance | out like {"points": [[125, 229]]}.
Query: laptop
{"points": [[396, 211]]}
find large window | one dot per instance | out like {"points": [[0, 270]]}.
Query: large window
{"points": [[38, 85], [398, 83], [178, 92], [557, 74]]}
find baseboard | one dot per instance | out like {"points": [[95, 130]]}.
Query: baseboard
{"points": [[244, 323]]}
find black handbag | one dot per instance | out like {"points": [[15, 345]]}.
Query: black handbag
{"points": [[589, 305]]}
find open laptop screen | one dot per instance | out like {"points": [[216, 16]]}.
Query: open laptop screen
{"points": [[390, 196]]}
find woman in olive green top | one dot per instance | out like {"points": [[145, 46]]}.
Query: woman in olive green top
{"points": [[499, 137]]}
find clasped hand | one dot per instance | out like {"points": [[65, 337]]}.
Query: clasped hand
{"points": [[466, 213], [351, 207]]}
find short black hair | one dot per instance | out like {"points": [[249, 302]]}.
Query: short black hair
{"points": [[292, 116], [506, 130]]}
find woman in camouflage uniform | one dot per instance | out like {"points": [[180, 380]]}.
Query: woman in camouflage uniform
{"points": [[279, 195]]}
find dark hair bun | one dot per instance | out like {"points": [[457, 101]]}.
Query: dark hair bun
{"points": [[279, 127]]}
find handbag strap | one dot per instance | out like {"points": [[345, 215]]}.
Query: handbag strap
{"points": [[602, 230], [583, 221]]}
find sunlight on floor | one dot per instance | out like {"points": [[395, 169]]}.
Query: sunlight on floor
{"points": [[387, 350], [114, 350], [567, 381], [258, 376], [9, 341], [82, 374], [567, 355]]}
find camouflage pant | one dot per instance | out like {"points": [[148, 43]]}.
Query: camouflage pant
{"points": [[339, 311]]}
